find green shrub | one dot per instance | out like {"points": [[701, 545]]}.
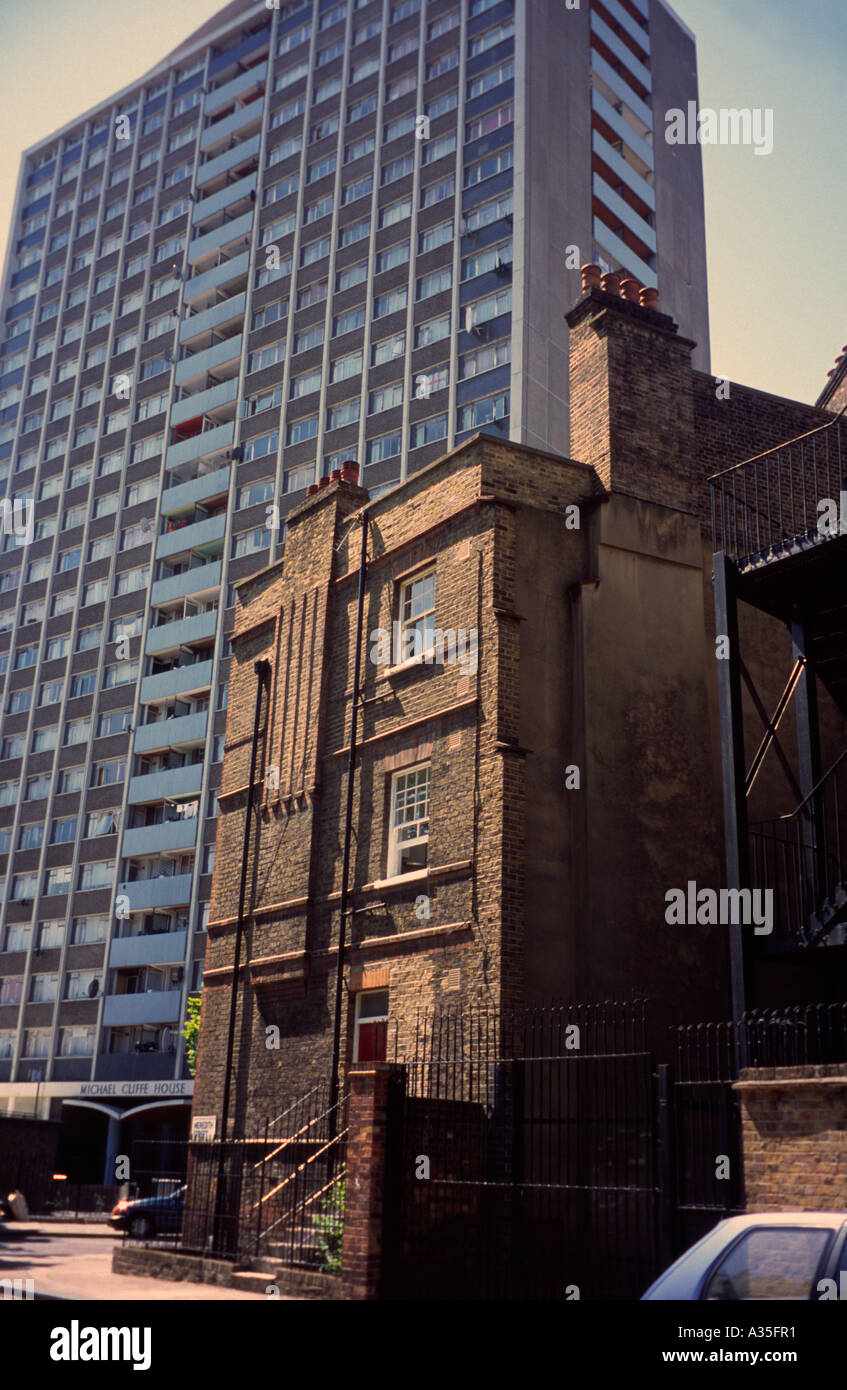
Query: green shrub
{"points": [[191, 1030], [329, 1224]]}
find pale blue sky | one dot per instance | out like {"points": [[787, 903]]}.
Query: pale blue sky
{"points": [[775, 225]]}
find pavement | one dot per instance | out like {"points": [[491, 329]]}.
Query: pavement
{"points": [[25, 1230], [73, 1260]]}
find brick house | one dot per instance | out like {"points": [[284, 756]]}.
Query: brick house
{"points": [[537, 749]]}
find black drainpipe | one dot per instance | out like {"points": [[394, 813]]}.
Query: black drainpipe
{"points": [[262, 670], [348, 828]]}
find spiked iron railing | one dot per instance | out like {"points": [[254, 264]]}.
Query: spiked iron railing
{"points": [[796, 1035]]}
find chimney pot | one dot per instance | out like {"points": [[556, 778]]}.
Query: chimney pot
{"points": [[591, 277], [629, 289], [649, 299], [311, 489], [324, 482], [335, 475], [611, 283], [350, 471]]}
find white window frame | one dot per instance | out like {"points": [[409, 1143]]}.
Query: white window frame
{"points": [[396, 846]]}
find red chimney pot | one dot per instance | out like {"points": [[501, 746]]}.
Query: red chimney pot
{"points": [[591, 276]]}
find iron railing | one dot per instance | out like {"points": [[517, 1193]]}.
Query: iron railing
{"points": [[797, 1035], [522, 1155], [767, 506], [275, 1194], [802, 859]]}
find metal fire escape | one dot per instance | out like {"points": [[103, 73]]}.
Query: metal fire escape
{"points": [[776, 548]]}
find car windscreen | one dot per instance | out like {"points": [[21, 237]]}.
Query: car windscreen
{"points": [[770, 1262]]}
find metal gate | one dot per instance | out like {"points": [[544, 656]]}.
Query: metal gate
{"points": [[524, 1155], [549, 1156]]}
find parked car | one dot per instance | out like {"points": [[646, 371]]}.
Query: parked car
{"points": [[789, 1255], [150, 1216]]}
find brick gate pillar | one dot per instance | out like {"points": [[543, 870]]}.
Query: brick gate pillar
{"points": [[367, 1120], [794, 1131]]}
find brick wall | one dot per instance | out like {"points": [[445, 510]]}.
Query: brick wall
{"points": [[595, 649], [794, 1136], [651, 425]]}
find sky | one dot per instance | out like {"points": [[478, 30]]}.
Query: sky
{"points": [[775, 224]]}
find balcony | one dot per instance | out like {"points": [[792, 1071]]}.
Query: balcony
{"points": [[159, 948], [182, 680], [200, 446], [230, 159], [132, 1066], [185, 732], [221, 358], [625, 21], [232, 193], [221, 239], [171, 783], [196, 536], [156, 839], [215, 319], [218, 277], [621, 88], [200, 581], [236, 87], [623, 170], [620, 50], [204, 402], [181, 632], [622, 128], [239, 51], [618, 249], [247, 117], [199, 489], [149, 894], [155, 1006], [624, 213]]}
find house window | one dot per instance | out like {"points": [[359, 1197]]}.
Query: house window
{"points": [[409, 821], [371, 1027], [417, 615]]}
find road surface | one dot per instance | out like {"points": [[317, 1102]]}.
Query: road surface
{"points": [[65, 1264]]}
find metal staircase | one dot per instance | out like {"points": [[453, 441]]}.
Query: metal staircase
{"points": [[779, 526], [802, 857]]}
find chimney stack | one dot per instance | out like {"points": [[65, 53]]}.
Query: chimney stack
{"points": [[631, 390]]}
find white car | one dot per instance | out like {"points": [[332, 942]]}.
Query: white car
{"points": [[793, 1255]]}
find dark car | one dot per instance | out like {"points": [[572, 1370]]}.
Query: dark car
{"points": [[150, 1216]]}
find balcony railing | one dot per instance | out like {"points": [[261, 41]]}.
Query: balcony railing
{"points": [[767, 507], [802, 859]]}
